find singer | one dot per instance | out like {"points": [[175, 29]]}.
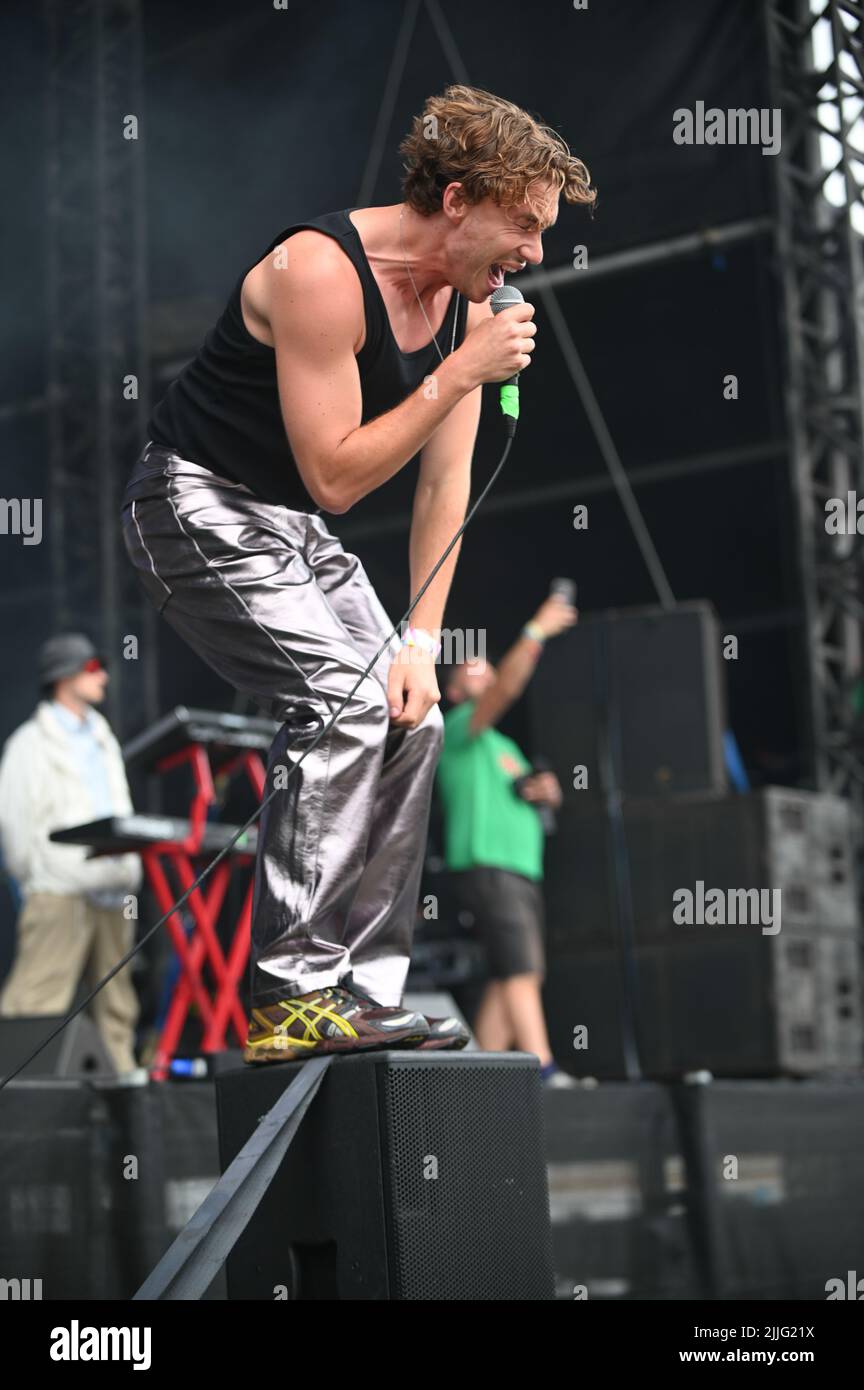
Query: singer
{"points": [[357, 339]]}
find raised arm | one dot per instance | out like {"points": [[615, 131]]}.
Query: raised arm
{"points": [[515, 669]]}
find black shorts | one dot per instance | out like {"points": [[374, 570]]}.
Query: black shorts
{"points": [[508, 915]]}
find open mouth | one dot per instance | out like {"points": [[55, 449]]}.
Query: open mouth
{"points": [[497, 270]]}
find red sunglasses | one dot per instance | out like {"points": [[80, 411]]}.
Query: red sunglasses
{"points": [[94, 664]]}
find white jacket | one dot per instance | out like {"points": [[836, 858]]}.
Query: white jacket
{"points": [[41, 789]]}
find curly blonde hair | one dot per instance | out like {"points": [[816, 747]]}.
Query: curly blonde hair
{"points": [[491, 147]]}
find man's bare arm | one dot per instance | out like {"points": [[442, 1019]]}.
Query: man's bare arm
{"points": [[316, 318], [441, 499], [515, 669], [514, 672]]}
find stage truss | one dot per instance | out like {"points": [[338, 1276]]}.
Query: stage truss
{"points": [[97, 393], [815, 64]]}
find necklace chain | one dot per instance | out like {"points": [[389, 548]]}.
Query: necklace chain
{"points": [[417, 296]]}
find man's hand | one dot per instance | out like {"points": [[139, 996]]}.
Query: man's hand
{"points": [[555, 615], [412, 687], [499, 346], [542, 788]]}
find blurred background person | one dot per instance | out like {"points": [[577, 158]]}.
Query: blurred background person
{"points": [[64, 767], [491, 802]]}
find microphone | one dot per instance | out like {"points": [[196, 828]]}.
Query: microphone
{"points": [[548, 819], [563, 588], [504, 298], [546, 813]]}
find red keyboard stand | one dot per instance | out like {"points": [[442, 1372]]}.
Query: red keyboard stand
{"points": [[218, 1003]]}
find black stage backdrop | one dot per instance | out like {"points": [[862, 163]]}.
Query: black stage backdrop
{"points": [[256, 117]]}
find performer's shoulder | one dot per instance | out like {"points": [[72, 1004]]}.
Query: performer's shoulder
{"points": [[314, 284], [311, 248], [313, 258]]}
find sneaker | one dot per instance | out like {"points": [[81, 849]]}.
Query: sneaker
{"points": [[444, 1033], [328, 1020], [554, 1079]]}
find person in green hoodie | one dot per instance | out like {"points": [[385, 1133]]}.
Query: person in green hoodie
{"points": [[494, 837]]}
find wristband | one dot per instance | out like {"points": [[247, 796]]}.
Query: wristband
{"points": [[417, 637], [535, 632]]}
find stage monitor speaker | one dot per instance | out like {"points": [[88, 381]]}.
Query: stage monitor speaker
{"points": [[788, 1226], [650, 680], [617, 1195], [77, 1051], [417, 1176]]}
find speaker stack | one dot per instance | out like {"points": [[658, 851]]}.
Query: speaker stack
{"points": [[637, 700]]}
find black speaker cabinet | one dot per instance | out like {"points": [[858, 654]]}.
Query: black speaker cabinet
{"points": [[77, 1051], [798, 842], [729, 998], [651, 681], [617, 1193], [775, 1173], [412, 1176], [738, 1006]]}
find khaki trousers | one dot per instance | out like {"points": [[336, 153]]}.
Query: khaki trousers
{"points": [[59, 937]]}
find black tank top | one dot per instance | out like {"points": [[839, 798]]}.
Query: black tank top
{"points": [[223, 410]]}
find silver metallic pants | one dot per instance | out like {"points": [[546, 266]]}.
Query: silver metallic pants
{"points": [[271, 601]]}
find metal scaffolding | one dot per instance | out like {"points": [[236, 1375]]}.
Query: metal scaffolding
{"points": [[98, 356], [819, 257]]}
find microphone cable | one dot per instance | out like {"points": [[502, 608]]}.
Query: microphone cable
{"points": [[325, 729]]}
